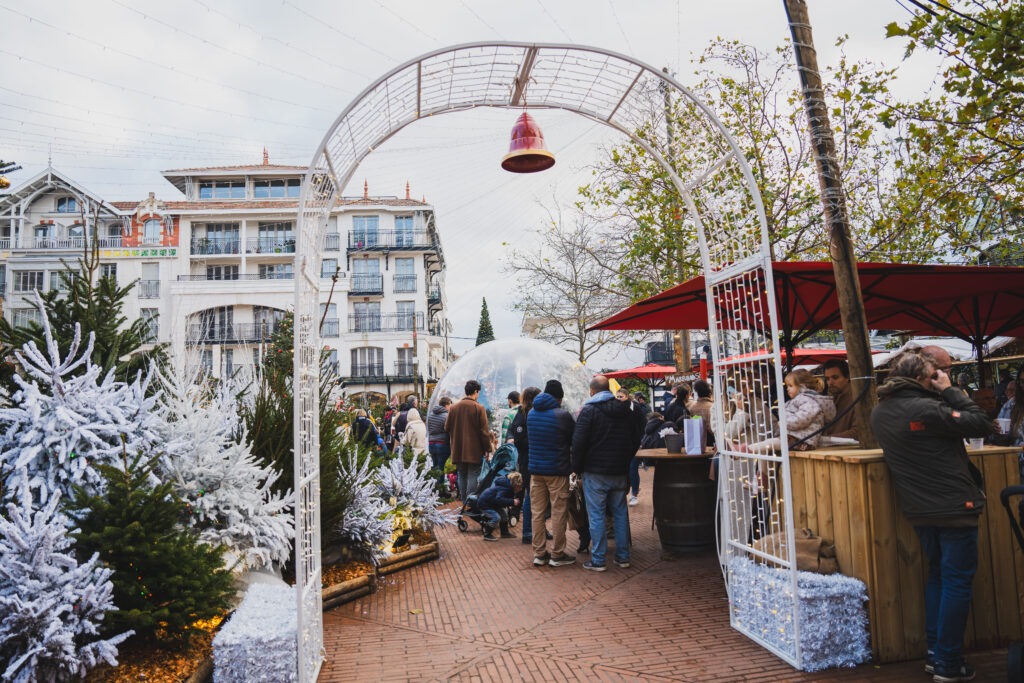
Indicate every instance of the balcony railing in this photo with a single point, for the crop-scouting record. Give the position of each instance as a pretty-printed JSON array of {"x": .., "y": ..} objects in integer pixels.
[
  {"x": 389, "y": 239},
  {"x": 235, "y": 276},
  {"x": 231, "y": 333},
  {"x": 5, "y": 243},
  {"x": 330, "y": 328},
  {"x": 76, "y": 243},
  {"x": 332, "y": 242},
  {"x": 367, "y": 284},
  {"x": 149, "y": 289},
  {"x": 368, "y": 371},
  {"x": 270, "y": 245},
  {"x": 434, "y": 295},
  {"x": 215, "y": 246},
  {"x": 386, "y": 322},
  {"x": 405, "y": 284},
  {"x": 404, "y": 369}
]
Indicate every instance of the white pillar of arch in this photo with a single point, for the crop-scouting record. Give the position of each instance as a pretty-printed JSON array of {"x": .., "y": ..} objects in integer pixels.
[{"x": 721, "y": 203}]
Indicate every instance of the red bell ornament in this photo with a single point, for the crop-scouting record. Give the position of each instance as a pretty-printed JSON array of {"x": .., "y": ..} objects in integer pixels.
[{"x": 526, "y": 152}]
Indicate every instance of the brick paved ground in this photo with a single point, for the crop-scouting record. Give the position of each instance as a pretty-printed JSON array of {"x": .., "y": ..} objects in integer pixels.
[{"x": 482, "y": 612}]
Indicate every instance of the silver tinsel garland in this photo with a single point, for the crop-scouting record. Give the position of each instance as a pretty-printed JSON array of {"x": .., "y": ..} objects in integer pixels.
[
  {"x": 258, "y": 643},
  {"x": 833, "y": 621}
]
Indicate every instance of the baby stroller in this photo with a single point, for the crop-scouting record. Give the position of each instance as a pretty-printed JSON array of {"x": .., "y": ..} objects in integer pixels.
[{"x": 501, "y": 463}]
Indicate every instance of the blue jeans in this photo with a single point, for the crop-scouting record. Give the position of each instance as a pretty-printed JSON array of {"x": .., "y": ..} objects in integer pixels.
[
  {"x": 526, "y": 518},
  {"x": 634, "y": 476},
  {"x": 952, "y": 554},
  {"x": 439, "y": 453},
  {"x": 606, "y": 493},
  {"x": 467, "y": 475},
  {"x": 492, "y": 517}
]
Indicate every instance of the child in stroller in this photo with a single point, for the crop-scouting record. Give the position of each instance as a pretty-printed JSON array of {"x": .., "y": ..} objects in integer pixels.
[{"x": 501, "y": 463}]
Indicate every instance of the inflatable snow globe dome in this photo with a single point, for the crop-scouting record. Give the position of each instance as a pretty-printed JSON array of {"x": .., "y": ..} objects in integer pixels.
[{"x": 505, "y": 365}]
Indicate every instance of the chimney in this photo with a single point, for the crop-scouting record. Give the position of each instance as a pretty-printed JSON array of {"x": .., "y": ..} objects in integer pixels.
[
  {"x": 366, "y": 190},
  {"x": 266, "y": 157},
  {"x": 407, "y": 189}
]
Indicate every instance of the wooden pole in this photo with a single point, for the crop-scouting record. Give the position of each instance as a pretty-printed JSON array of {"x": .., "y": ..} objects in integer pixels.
[{"x": 844, "y": 262}]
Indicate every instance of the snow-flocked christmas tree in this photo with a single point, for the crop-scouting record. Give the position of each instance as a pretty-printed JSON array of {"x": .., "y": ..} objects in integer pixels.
[
  {"x": 50, "y": 605},
  {"x": 62, "y": 424},
  {"x": 228, "y": 493},
  {"x": 366, "y": 524}
]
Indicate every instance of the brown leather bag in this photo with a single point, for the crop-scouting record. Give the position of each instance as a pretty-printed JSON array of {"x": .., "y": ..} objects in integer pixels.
[{"x": 813, "y": 553}]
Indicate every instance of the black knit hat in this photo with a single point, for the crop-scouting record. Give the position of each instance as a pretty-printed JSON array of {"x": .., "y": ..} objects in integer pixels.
[{"x": 554, "y": 387}]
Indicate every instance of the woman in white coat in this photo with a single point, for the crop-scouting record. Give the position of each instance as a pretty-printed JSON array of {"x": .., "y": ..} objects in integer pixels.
[{"x": 415, "y": 436}]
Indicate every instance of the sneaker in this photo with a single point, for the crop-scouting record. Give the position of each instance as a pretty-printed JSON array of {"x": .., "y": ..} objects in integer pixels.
[
  {"x": 561, "y": 560},
  {"x": 953, "y": 674},
  {"x": 490, "y": 537},
  {"x": 622, "y": 563},
  {"x": 633, "y": 500},
  {"x": 929, "y": 662},
  {"x": 541, "y": 560},
  {"x": 594, "y": 567}
]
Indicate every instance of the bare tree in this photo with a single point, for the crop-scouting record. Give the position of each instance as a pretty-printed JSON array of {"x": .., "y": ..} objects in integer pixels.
[{"x": 567, "y": 281}]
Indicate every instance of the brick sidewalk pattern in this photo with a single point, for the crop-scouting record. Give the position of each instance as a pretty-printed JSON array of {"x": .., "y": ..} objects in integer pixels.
[{"x": 483, "y": 612}]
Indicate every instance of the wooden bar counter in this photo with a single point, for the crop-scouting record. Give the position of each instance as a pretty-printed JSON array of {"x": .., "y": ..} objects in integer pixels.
[{"x": 847, "y": 495}]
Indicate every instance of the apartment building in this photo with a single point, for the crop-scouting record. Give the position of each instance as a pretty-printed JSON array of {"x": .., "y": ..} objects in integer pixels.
[{"x": 214, "y": 270}]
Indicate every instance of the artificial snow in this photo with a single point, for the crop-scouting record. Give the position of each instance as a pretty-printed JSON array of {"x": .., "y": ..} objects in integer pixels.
[{"x": 258, "y": 643}]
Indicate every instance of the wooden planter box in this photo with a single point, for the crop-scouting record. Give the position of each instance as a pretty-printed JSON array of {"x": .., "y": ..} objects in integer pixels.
[
  {"x": 410, "y": 558},
  {"x": 847, "y": 495},
  {"x": 358, "y": 587}
]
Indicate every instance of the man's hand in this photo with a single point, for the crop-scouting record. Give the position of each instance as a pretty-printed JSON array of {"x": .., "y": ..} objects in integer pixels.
[{"x": 940, "y": 381}]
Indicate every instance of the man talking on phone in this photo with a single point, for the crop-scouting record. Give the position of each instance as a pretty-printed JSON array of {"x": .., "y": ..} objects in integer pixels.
[{"x": 921, "y": 422}]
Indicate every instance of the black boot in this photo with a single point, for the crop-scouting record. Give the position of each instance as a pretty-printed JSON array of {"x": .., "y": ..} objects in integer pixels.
[
  {"x": 489, "y": 533},
  {"x": 505, "y": 533}
]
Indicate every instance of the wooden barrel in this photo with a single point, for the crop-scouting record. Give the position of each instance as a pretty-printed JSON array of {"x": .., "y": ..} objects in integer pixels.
[{"x": 684, "y": 504}]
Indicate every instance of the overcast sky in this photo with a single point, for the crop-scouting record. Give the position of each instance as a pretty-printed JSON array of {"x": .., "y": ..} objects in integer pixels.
[{"x": 119, "y": 90}]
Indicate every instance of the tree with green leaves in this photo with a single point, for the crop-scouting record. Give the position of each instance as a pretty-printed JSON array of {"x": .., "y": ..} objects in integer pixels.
[
  {"x": 485, "y": 332},
  {"x": 165, "y": 579}
]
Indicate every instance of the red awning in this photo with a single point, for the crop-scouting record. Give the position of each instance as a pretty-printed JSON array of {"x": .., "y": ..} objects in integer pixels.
[
  {"x": 648, "y": 371},
  {"x": 800, "y": 356}
]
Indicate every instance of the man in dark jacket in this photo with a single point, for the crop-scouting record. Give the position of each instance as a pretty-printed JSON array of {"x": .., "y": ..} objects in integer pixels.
[
  {"x": 606, "y": 438},
  {"x": 549, "y": 431},
  {"x": 363, "y": 431},
  {"x": 921, "y": 422}
]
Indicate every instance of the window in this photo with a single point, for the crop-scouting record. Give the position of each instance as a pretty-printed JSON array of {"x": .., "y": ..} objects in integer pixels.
[
  {"x": 221, "y": 238},
  {"x": 27, "y": 280},
  {"x": 332, "y": 360},
  {"x": 150, "y": 318},
  {"x": 406, "y": 315},
  {"x": 277, "y": 237},
  {"x": 403, "y": 231},
  {"x": 367, "y": 316},
  {"x": 266, "y": 315},
  {"x": 206, "y": 361},
  {"x": 151, "y": 231},
  {"x": 221, "y": 272},
  {"x": 217, "y": 324},
  {"x": 42, "y": 231},
  {"x": 405, "y": 275},
  {"x": 67, "y": 205},
  {"x": 328, "y": 267},
  {"x": 57, "y": 281},
  {"x": 109, "y": 270},
  {"x": 365, "y": 231},
  {"x": 149, "y": 283},
  {"x": 276, "y": 271},
  {"x": 366, "y": 275},
  {"x": 404, "y": 367},
  {"x": 222, "y": 189},
  {"x": 263, "y": 189},
  {"x": 227, "y": 363},
  {"x": 23, "y": 316},
  {"x": 76, "y": 231},
  {"x": 368, "y": 361}
]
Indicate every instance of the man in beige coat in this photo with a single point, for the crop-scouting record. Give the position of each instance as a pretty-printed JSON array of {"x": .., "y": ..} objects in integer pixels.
[{"x": 470, "y": 438}]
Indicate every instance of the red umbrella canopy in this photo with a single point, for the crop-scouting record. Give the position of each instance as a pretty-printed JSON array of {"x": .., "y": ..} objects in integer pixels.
[
  {"x": 800, "y": 356},
  {"x": 973, "y": 303},
  {"x": 648, "y": 371}
]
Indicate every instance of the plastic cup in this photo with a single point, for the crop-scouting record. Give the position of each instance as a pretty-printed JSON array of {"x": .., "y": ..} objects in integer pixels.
[
  {"x": 1004, "y": 425},
  {"x": 976, "y": 444}
]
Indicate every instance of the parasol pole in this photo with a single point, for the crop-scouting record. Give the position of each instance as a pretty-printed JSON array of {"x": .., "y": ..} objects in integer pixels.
[{"x": 844, "y": 261}]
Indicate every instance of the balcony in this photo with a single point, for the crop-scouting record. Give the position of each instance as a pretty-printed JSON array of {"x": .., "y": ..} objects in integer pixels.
[
  {"x": 149, "y": 289},
  {"x": 434, "y": 295},
  {"x": 231, "y": 333},
  {"x": 5, "y": 243},
  {"x": 332, "y": 242},
  {"x": 391, "y": 240},
  {"x": 371, "y": 371},
  {"x": 364, "y": 285},
  {"x": 405, "y": 369},
  {"x": 330, "y": 328},
  {"x": 386, "y": 322},
  {"x": 215, "y": 246},
  {"x": 270, "y": 245},
  {"x": 404, "y": 284},
  {"x": 235, "y": 276},
  {"x": 59, "y": 244}
]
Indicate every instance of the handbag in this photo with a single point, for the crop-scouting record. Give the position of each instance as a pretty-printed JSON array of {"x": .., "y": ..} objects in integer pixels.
[{"x": 578, "y": 518}]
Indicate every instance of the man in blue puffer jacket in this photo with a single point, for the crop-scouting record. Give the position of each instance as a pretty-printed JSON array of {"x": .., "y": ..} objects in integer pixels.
[{"x": 549, "y": 431}]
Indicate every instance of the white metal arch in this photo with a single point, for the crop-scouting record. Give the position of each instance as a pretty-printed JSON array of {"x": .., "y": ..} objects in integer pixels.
[{"x": 721, "y": 202}]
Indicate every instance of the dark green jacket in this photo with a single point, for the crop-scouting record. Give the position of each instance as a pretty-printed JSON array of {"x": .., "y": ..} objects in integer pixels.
[{"x": 921, "y": 433}]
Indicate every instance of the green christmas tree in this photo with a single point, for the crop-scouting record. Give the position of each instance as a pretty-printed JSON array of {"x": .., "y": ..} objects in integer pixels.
[
  {"x": 485, "y": 332},
  {"x": 164, "y": 578}
]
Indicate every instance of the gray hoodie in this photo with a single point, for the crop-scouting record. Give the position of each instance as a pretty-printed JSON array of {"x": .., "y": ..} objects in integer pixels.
[{"x": 435, "y": 425}]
